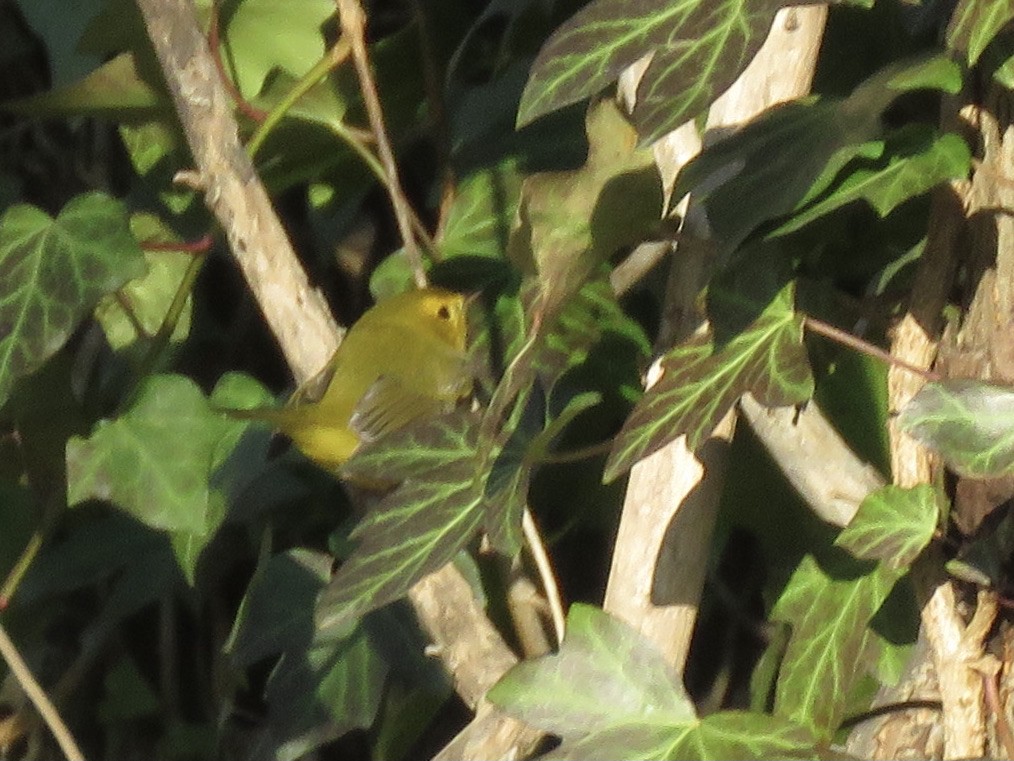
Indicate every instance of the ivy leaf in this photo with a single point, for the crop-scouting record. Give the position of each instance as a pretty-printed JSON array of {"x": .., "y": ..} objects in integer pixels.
[
  {"x": 699, "y": 384},
  {"x": 604, "y": 675},
  {"x": 698, "y": 49},
  {"x": 893, "y": 525},
  {"x": 507, "y": 484},
  {"x": 974, "y": 24},
  {"x": 831, "y": 641},
  {"x": 275, "y": 614},
  {"x": 573, "y": 221},
  {"x": 479, "y": 220},
  {"x": 113, "y": 91},
  {"x": 418, "y": 527},
  {"x": 52, "y": 272},
  {"x": 906, "y": 175},
  {"x": 610, "y": 694},
  {"x": 261, "y": 35},
  {"x": 149, "y": 297},
  {"x": 168, "y": 461},
  {"x": 969, "y": 423},
  {"x": 318, "y": 694},
  {"x": 791, "y": 153}
]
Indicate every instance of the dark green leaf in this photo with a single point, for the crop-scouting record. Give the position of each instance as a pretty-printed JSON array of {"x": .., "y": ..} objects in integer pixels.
[
  {"x": 418, "y": 527},
  {"x": 52, "y": 272},
  {"x": 698, "y": 49},
  {"x": 975, "y": 23},
  {"x": 699, "y": 385},
  {"x": 792, "y": 153},
  {"x": 831, "y": 642},
  {"x": 884, "y": 188},
  {"x": 893, "y": 525},
  {"x": 277, "y": 611},
  {"x": 969, "y": 423},
  {"x": 317, "y": 695}
]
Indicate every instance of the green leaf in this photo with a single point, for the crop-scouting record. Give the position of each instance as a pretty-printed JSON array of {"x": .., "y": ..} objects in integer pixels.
[
  {"x": 168, "y": 461},
  {"x": 791, "y": 153},
  {"x": 144, "y": 302},
  {"x": 698, "y": 49},
  {"x": 831, "y": 641},
  {"x": 893, "y": 525},
  {"x": 417, "y": 528},
  {"x": 261, "y": 35},
  {"x": 974, "y": 24},
  {"x": 729, "y": 734},
  {"x": 969, "y": 423},
  {"x": 610, "y": 694},
  {"x": 699, "y": 385},
  {"x": 903, "y": 177},
  {"x": 479, "y": 220},
  {"x": 573, "y": 221},
  {"x": 113, "y": 91},
  {"x": 52, "y": 272},
  {"x": 319, "y": 694},
  {"x": 605, "y": 675},
  {"x": 277, "y": 610},
  {"x": 59, "y": 25}
]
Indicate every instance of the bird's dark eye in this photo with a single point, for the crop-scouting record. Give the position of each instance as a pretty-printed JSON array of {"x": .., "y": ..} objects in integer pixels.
[{"x": 444, "y": 313}]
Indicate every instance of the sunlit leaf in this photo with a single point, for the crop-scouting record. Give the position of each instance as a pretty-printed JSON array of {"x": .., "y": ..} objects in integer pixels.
[
  {"x": 609, "y": 694},
  {"x": 419, "y": 526},
  {"x": 604, "y": 675},
  {"x": 969, "y": 423},
  {"x": 699, "y": 385},
  {"x": 831, "y": 641},
  {"x": 974, "y": 24},
  {"x": 893, "y": 525},
  {"x": 52, "y": 272},
  {"x": 698, "y": 48}
]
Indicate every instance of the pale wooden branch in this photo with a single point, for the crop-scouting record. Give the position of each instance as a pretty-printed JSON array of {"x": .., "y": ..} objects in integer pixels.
[
  {"x": 665, "y": 531},
  {"x": 41, "y": 701},
  {"x": 470, "y": 647}
]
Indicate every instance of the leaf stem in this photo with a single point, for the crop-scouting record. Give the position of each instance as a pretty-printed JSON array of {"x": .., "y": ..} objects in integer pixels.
[
  {"x": 39, "y": 699},
  {"x": 537, "y": 548},
  {"x": 353, "y": 24},
  {"x": 865, "y": 347},
  {"x": 338, "y": 54}
]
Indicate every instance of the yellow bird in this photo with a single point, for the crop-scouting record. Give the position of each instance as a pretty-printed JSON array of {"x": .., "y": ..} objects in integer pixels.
[{"x": 403, "y": 359}]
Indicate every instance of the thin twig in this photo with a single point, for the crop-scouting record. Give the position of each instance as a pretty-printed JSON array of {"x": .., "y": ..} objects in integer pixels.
[
  {"x": 853, "y": 342},
  {"x": 253, "y": 113},
  {"x": 538, "y": 550},
  {"x": 353, "y": 24},
  {"x": 39, "y": 699}
]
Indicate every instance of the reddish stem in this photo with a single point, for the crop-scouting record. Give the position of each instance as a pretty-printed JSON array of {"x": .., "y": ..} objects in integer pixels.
[{"x": 854, "y": 342}]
